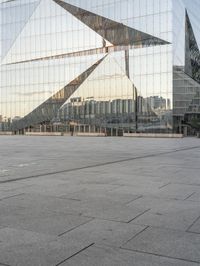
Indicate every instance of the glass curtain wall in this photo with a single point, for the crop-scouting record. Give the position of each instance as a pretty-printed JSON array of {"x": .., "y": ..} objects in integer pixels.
[{"x": 87, "y": 66}]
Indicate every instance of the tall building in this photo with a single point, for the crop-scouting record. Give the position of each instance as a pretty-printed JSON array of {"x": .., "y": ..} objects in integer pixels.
[{"x": 131, "y": 65}]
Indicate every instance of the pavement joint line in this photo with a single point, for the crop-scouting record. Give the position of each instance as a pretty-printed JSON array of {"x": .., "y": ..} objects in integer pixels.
[
  {"x": 12, "y": 196},
  {"x": 189, "y": 196},
  {"x": 161, "y": 255},
  {"x": 130, "y": 201},
  {"x": 144, "y": 229},
  {"x": 73, "y": 255},
  {"x": 64, "y": 233},
  {"x": 62, "y": 197},
  {"x": 3, "y": 264},
  {"x": 139, "y": 215},
  {"x": 98, "y": 165},
  {"x": 192, "y": 232},
  {"x": 165, "y": 185},
  {"x": 108, "y": 220},
  {"x": 188, "y": 229},
  {"x": 118, "y": 221}
]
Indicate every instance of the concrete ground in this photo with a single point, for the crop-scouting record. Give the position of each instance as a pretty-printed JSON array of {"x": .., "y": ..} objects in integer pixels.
[{"x": 74, "y": 201}]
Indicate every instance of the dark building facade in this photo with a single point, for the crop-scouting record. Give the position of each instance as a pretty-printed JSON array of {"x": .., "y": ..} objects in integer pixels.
[{"x": 90, "y": 66}]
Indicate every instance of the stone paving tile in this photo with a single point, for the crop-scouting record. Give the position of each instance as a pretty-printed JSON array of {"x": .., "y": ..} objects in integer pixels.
[
  {"x": 106, "y": 256},
  {"x": 58, "y": 188},
  {"x": 169, "y": 243},
  {"x": 25, "y": 248},
  {"x": 49, "y": 189},
  {"x": 116, "y": 213},
  {"x": 140, "y": 188},
  {"x": 176, "y": 219},
  {"x": 42, "y": 222},
  {"x": 137, "y": 181},
  {"x": 167, "y": 213},
  {"x": 13, "y": 186},
  {"x": 185, "y": 174},
  {"x": 159, "y": 204},
  {"x": 93, "y": 194},
  {"x": 177, "y": 191},
  {"x": 158, "y": 189},
  {"x": 106, "y": 204},
  {"x": 101, "y": 176},
  {"x": 104, "y": 232},
  {"x": 34, "y": 202},
  {"x": 106, "y": 209}
]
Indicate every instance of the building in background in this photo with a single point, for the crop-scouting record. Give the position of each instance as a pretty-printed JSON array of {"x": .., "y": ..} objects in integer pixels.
[{"x": 111, "y": 66}]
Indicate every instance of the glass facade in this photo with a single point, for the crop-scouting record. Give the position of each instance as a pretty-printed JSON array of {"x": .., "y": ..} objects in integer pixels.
[
  {"x": 109, "y": 66},
  {"x": 186, "y": 65}
]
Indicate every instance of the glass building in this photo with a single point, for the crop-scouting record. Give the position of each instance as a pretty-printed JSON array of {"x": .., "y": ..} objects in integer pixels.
[{"x": 109, "y": 66}]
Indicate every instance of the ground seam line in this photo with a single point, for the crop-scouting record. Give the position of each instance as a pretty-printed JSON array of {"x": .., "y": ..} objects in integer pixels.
[
  {"x": 188, "y": 229},
  {"x": 139, "y": 215},
  {"x": 146, "y": 227},
  {"x": 61, "y": 234},
  {"x": 74, "y": 254}
]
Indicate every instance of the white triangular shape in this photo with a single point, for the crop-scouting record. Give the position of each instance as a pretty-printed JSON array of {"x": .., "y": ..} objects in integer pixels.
[
  {"x": 52, "y": 31},
  {"x": 10, "y": 31}
]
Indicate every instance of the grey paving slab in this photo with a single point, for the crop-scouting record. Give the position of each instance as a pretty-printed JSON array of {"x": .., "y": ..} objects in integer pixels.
[
  {"x": 187, "y": 177},
  {"x": 9, "y": 187},
  {"x": 174, "y": 219},
  {"x": 106, "y": 209},
  {"x": 170, "y": 243},
  {"x": 105, "y": 256},
  {"x": 63, "y": 184},
  {"x": 104, "y": 232},
  {"x": 13, "y": 237},
  {"x": 117, "y": 213},
  {"x": 93, "y": 194},
  {"x": 140, "y": 188},
  {"x": 62, "y": 195},
  {"x": 158, "y": 189},
  {"x": 177, "y": 191},
  {"x": 159, "y": 204},
  {"x": 25, "y": 248},
  {"x": 167, "y": 213},
  {"x": 40, "y": 203},
  {"x": 42, "y": 222},
  {"x": 45, "y": 188}
]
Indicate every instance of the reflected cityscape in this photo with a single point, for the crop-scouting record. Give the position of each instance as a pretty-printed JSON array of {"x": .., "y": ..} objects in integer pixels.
[
  {"x": 118, "y": 113},
  {"x": 78, "y": 66}
]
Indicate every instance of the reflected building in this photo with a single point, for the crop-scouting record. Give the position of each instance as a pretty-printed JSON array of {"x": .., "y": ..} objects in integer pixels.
[{"x": 111, "y": 66}]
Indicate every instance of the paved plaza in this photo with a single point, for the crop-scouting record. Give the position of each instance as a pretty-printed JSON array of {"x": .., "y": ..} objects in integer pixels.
[{"x": 80, "y": 201}]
